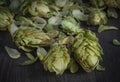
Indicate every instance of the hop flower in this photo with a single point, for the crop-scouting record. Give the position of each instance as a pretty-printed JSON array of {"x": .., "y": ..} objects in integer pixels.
[
  {"x": 57, "y": 59},
  {"x": 98, "y": 3},
  {"x": 97, "y": 17},
  {"x": 87, "y": 50},
  {"x": 70, "y": 26},
  {"x": 5, "y": 18},
  {"x": 36, "y": 8},
  {"x": 28, "y": 38},
  {"x": 112, "y": 3},
  {"x": 73, "y": 66}
]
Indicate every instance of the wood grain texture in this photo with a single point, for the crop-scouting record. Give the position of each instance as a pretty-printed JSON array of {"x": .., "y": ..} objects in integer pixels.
[{"x": 11, "y": 71}]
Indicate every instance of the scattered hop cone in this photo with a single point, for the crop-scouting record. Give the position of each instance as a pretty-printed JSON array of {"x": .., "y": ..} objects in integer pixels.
[
  {"x": 70, "y": 26},
  {"x": 113, "y": 3},
  {"x": 60, "y": 3},
  {"x": 97, "y": 17},
  {"x": 27, "y": 38},
  {"x": 98, "y": 3},
  {"x": 36, "y": 8},
  {"x": 87, "y": 50},
  {"x": 5, "y": 18},
  {"x": 57, "y": 59}
]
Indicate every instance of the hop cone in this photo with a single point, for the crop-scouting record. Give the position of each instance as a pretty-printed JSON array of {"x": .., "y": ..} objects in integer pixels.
[
  {"x": 28, "y": 38},
  {"x": 5, "y": 18},
  {"x": 73, "y": 66},
  {"x": 70, "y": 26},
  {"x": 57, "y": 59},
  {"x": 36, "y": 8},
  {"x": 97, "y": 17},
  {"x": 87, "y": 50},
  {"x": 98, "y": 3},
  {"x": 113, "y": 3},
  {"x": 108, "y": 3}
]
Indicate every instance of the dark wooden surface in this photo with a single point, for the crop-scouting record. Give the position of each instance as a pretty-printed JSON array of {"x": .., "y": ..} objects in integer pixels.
[{"x": 10, "y": 71}]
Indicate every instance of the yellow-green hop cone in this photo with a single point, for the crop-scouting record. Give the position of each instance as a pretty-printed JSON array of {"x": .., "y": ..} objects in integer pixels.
[
  {"x": 111, "y": 3},
  {"x": 98, "y": 3},
  {"x": 57, "y": 59},
  {"x": 87, "y": 50},
  {"x": 97, "y": 17},
  {"x": 36, "y": 8},
  {"x": 70, "y": 26},
  {"x": 5, "y": 18},
  {"x": 27, "y": 38},
  {"x": 108, "y": 3}
]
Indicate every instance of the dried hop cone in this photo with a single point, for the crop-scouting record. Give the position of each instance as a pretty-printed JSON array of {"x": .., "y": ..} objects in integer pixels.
[
  {"x": 113, "y": 3},
  {"x": 98, "y": 3},
  {"x": 36, "y": 8},
  {"x": 70, "y": 26},
  {"x": 73, "y": 66},
  {"x": 5, "y": 18},
  {"x": 97, "y": 17},
  {"x": 87, "y": 50},
  {"x": 57, "y": 59},
  {"x": 27, "y": 38}
]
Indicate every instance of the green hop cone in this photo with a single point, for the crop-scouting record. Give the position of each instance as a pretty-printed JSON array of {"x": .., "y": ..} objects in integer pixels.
[
  {"x": 108, "y": 3},
  {"x": 5, "y": 18},
  {"x": 27, "y": 38},
  {"x": 4, "y": 2},
  {"x": 97, "y": 17},
  {"x": 118, "y": 2},
  {"x": 98, "y": 3},
  {"x": 57, "y": 59},
  {"x": 70, "y": 26},
  {"x": 36, "y": 8},
  {"x": 73, "y": 66},
  {"x": 36, "y": 22},
  {"x": 87, "y": 50},
  {"x": 113, "y": 3}
]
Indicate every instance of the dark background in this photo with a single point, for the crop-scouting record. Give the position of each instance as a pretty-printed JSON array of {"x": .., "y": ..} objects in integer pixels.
[{"x": 11, "y": 71}]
